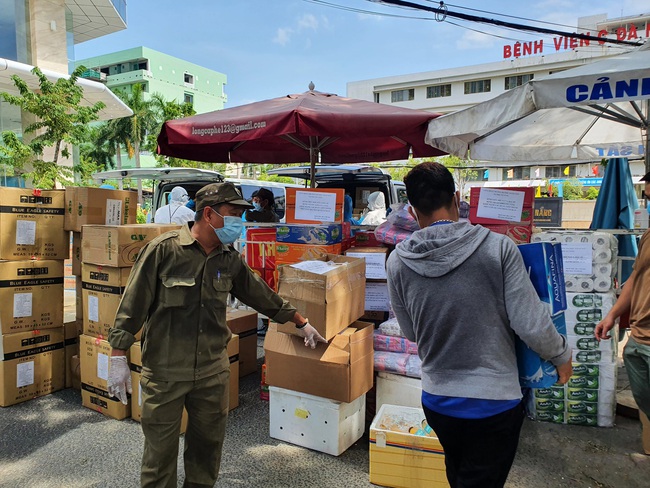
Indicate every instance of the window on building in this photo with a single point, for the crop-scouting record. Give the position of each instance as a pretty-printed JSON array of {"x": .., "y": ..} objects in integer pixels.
[
  {"x": 188, "y": 98},
  {"x": 518, "y": 80},
  {"x": 437, "y": 91},
  {"x": 479, "y": 86},
  {"x": 402, "y": 95},
  {"x": 188, "y": 78},
  {"x": 560, "y": 171},
  {"x": 142, "y": 65},
  {"x": 520, "y": 173},
  {"x": 376, "y": 97}
]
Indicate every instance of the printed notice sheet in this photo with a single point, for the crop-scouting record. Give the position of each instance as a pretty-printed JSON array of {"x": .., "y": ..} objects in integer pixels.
[
  {"x": 500, "y": 204},
  {"x": 377, "y": 297},
  {"x": 93, "y": 308},
  {"x": 375, "y": 264},
  {"x": 26, "y": 232},
  {"x": 576, "y": 258},
  {"x": 316, "y": 267},
  {"x": 315, "y": 206},
  {"x": 113, "y": 212},
  {"x": 102, "y": 366},
  {"x": 24, "y": 374}
]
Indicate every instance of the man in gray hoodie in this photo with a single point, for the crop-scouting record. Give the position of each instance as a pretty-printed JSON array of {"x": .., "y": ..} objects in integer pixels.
[{"x": 461, "y": 293}]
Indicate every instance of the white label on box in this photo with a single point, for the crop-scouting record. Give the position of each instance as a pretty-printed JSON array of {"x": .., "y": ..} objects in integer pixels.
[
  {"x": 316, "y": 267},
  {"x": 102, "y": 366},
  {"x": 576, "y": 258},
  {"x": 22, "y": 305},
  {"x": 375, "y": 264},
  {"x": 500, "y": 204},
  {"x": 113, "y": 212},
  {"x": 24, "y": 374},
  {"x": 93, "y": 308},
  {"x": 377, "y": 297},
  {"x": 315, "y": 206},
  {"x": 25, "y": 232}
]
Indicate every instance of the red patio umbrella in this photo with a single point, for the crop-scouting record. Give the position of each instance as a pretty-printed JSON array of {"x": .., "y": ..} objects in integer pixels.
[{"x": 298, "y": 129}]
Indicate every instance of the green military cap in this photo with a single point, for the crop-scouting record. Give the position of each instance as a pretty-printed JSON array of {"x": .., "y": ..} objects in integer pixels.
[{"x": 216, "y": 193}]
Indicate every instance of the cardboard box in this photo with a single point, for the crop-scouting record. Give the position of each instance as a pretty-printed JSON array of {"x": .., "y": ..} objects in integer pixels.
[
  {"x": 375, "y": 258},
  {"x": 362, "y": 194},
  {"x": 375, "y": 316},
  {"x": 244, "y": 324},
  {"x": 341, "y": 370},
  {"x": 316, "y": 423},
  {"x": 294, "y": 253},
  {"x": 520, "y": 234},
  {"x": 31, "y": 294},
  {"x": 102, "y": 289},
  {"x": 94, "y": 355},
  {"x": 75, "y": 371},
  {"x": 76, "y": 253},
  {"x": 118, "y": 245},
  {"x": 324, "y": 202},
  {"x": 320, "y": 235},
  {"x": 260, "y": 248},
  {"x": 366, "y": 238},
  {"x": 331, "y": 300},
  {"x": 72, "y": 331},
  {"x": 79, "y": 303},
  {"x": 87, "y": 205},
  {"x": 32, "y": 365},
  {"x": 31, "y": 224},
  {"x": 400, "y": 458}
]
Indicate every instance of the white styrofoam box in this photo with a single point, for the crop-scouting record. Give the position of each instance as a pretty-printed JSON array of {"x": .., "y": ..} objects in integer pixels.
[
  {"x": 394, "y": 389},
  {"x": 314, "y": 422}
]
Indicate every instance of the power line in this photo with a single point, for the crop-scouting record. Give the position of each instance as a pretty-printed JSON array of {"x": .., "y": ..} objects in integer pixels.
[{"x": 443, "y": 12}]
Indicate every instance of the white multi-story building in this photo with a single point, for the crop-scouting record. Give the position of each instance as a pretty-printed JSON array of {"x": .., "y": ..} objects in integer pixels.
[{"x": 449, "y": 90}]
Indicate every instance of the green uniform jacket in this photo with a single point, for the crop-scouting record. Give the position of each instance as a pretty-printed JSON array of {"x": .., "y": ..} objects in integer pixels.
[{"x": 178, "y": 295}]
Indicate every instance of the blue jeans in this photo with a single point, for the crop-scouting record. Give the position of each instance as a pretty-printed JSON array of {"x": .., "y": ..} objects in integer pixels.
[{"x": 637, "y": 364}]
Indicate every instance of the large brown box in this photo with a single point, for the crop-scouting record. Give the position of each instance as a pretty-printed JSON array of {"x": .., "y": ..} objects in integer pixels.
[
  {"x": 341, "y": 370},
  {"x": 94, "y": 355},
  {"x": 375, "y": 260},
  {"x": 32, "y": 365},
  {"x": 118, "y": 245},
  {"x": 31, "y": 224},
  {"x": 79, "y": 308},
  {"x": 31, "y": 294},
  {"x": 102, "y": 289},
  {"x": 72, "y": 331},
  {"x": 86, "y": 205},
  {"x": 332, "y": 300},
  {"x": 244, "y": 324}
]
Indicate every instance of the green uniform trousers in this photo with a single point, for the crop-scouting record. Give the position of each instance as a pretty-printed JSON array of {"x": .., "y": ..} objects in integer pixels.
[
  {"x": 637, "y": 364},
  {"x": 206, "y": 401}
]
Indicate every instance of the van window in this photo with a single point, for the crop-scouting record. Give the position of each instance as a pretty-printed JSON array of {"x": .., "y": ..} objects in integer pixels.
[
  {"x": 278, "y": 196},
  {"x": 401, "y": 194}
]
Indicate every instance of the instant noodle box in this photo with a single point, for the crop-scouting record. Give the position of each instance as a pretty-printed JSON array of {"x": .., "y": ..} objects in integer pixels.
[{"x": 314, "y": 205}]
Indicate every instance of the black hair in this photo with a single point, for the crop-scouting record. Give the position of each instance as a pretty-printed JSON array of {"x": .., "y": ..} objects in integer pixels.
[{"x": 429, "y": 187}]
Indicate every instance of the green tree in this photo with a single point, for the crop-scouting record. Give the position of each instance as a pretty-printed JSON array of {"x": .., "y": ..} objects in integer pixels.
[
  {"x": 592, "y": 193},
  {"x": 571, "y": 189},
  {"x": 60, "y": 121},
  {"x": 464, "y": 170}
]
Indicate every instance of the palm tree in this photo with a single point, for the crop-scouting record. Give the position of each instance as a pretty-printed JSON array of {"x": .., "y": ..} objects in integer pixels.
[{"x": 137, "y": 126}]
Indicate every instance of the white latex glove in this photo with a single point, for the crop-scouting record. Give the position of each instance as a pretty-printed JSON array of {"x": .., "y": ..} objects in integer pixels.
[
  {"x": 119, "y": 378},
  {"x": 310, "y": 335}
]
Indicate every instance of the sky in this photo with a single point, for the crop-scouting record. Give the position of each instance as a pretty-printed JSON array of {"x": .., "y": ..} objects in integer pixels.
[{"x": 270, "y": 48}]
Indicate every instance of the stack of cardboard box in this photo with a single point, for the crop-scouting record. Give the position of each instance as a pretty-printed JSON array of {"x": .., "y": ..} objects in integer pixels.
[
  {"x": 377, "y": 302},
  {"x": 317, "y": 396},
  {"x": 33, "y": 246},
  {"x": 486, "y": 204}
]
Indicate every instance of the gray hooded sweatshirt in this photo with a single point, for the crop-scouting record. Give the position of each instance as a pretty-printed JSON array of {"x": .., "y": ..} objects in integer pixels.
[{"x": 461, "y": 293}]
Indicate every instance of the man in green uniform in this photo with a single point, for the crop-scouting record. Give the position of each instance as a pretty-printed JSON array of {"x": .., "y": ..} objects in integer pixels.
[{"x": 177, "y": 293}]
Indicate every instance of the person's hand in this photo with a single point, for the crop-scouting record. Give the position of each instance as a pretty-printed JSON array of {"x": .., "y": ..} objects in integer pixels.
[
  {"x": 311, "y": 335},
  {"x": 564, "y": 372},
  {"x": 364, "y": 212},
  {"x": 119, "y": 378},
  {"x": 604, "y": 326}
]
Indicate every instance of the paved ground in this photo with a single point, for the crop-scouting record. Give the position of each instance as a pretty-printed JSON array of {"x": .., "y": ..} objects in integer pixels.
[{"x": 55, "y": 442}]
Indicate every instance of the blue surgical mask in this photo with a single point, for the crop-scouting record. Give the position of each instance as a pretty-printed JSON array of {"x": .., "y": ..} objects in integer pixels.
[
  {"x": 231, "y": 230},
  {"x": 257, "y": 206}
]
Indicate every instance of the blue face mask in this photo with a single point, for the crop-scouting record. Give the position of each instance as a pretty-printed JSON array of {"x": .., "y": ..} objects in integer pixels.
[
  {"x": 231, "y": 230},
  {"x": 257, "y": 206}
]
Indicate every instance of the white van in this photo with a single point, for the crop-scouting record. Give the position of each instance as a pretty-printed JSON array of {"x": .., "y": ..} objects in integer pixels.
[{"x": 192, "y": 179}]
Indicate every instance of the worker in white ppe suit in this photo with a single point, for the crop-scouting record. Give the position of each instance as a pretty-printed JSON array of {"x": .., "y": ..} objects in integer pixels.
[
  {"x": 376, "y": 211},
  {"x": 175, "y": 212}
]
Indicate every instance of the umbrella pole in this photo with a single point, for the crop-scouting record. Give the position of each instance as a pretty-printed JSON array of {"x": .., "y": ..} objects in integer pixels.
[{"x": 313, "y": 159}]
